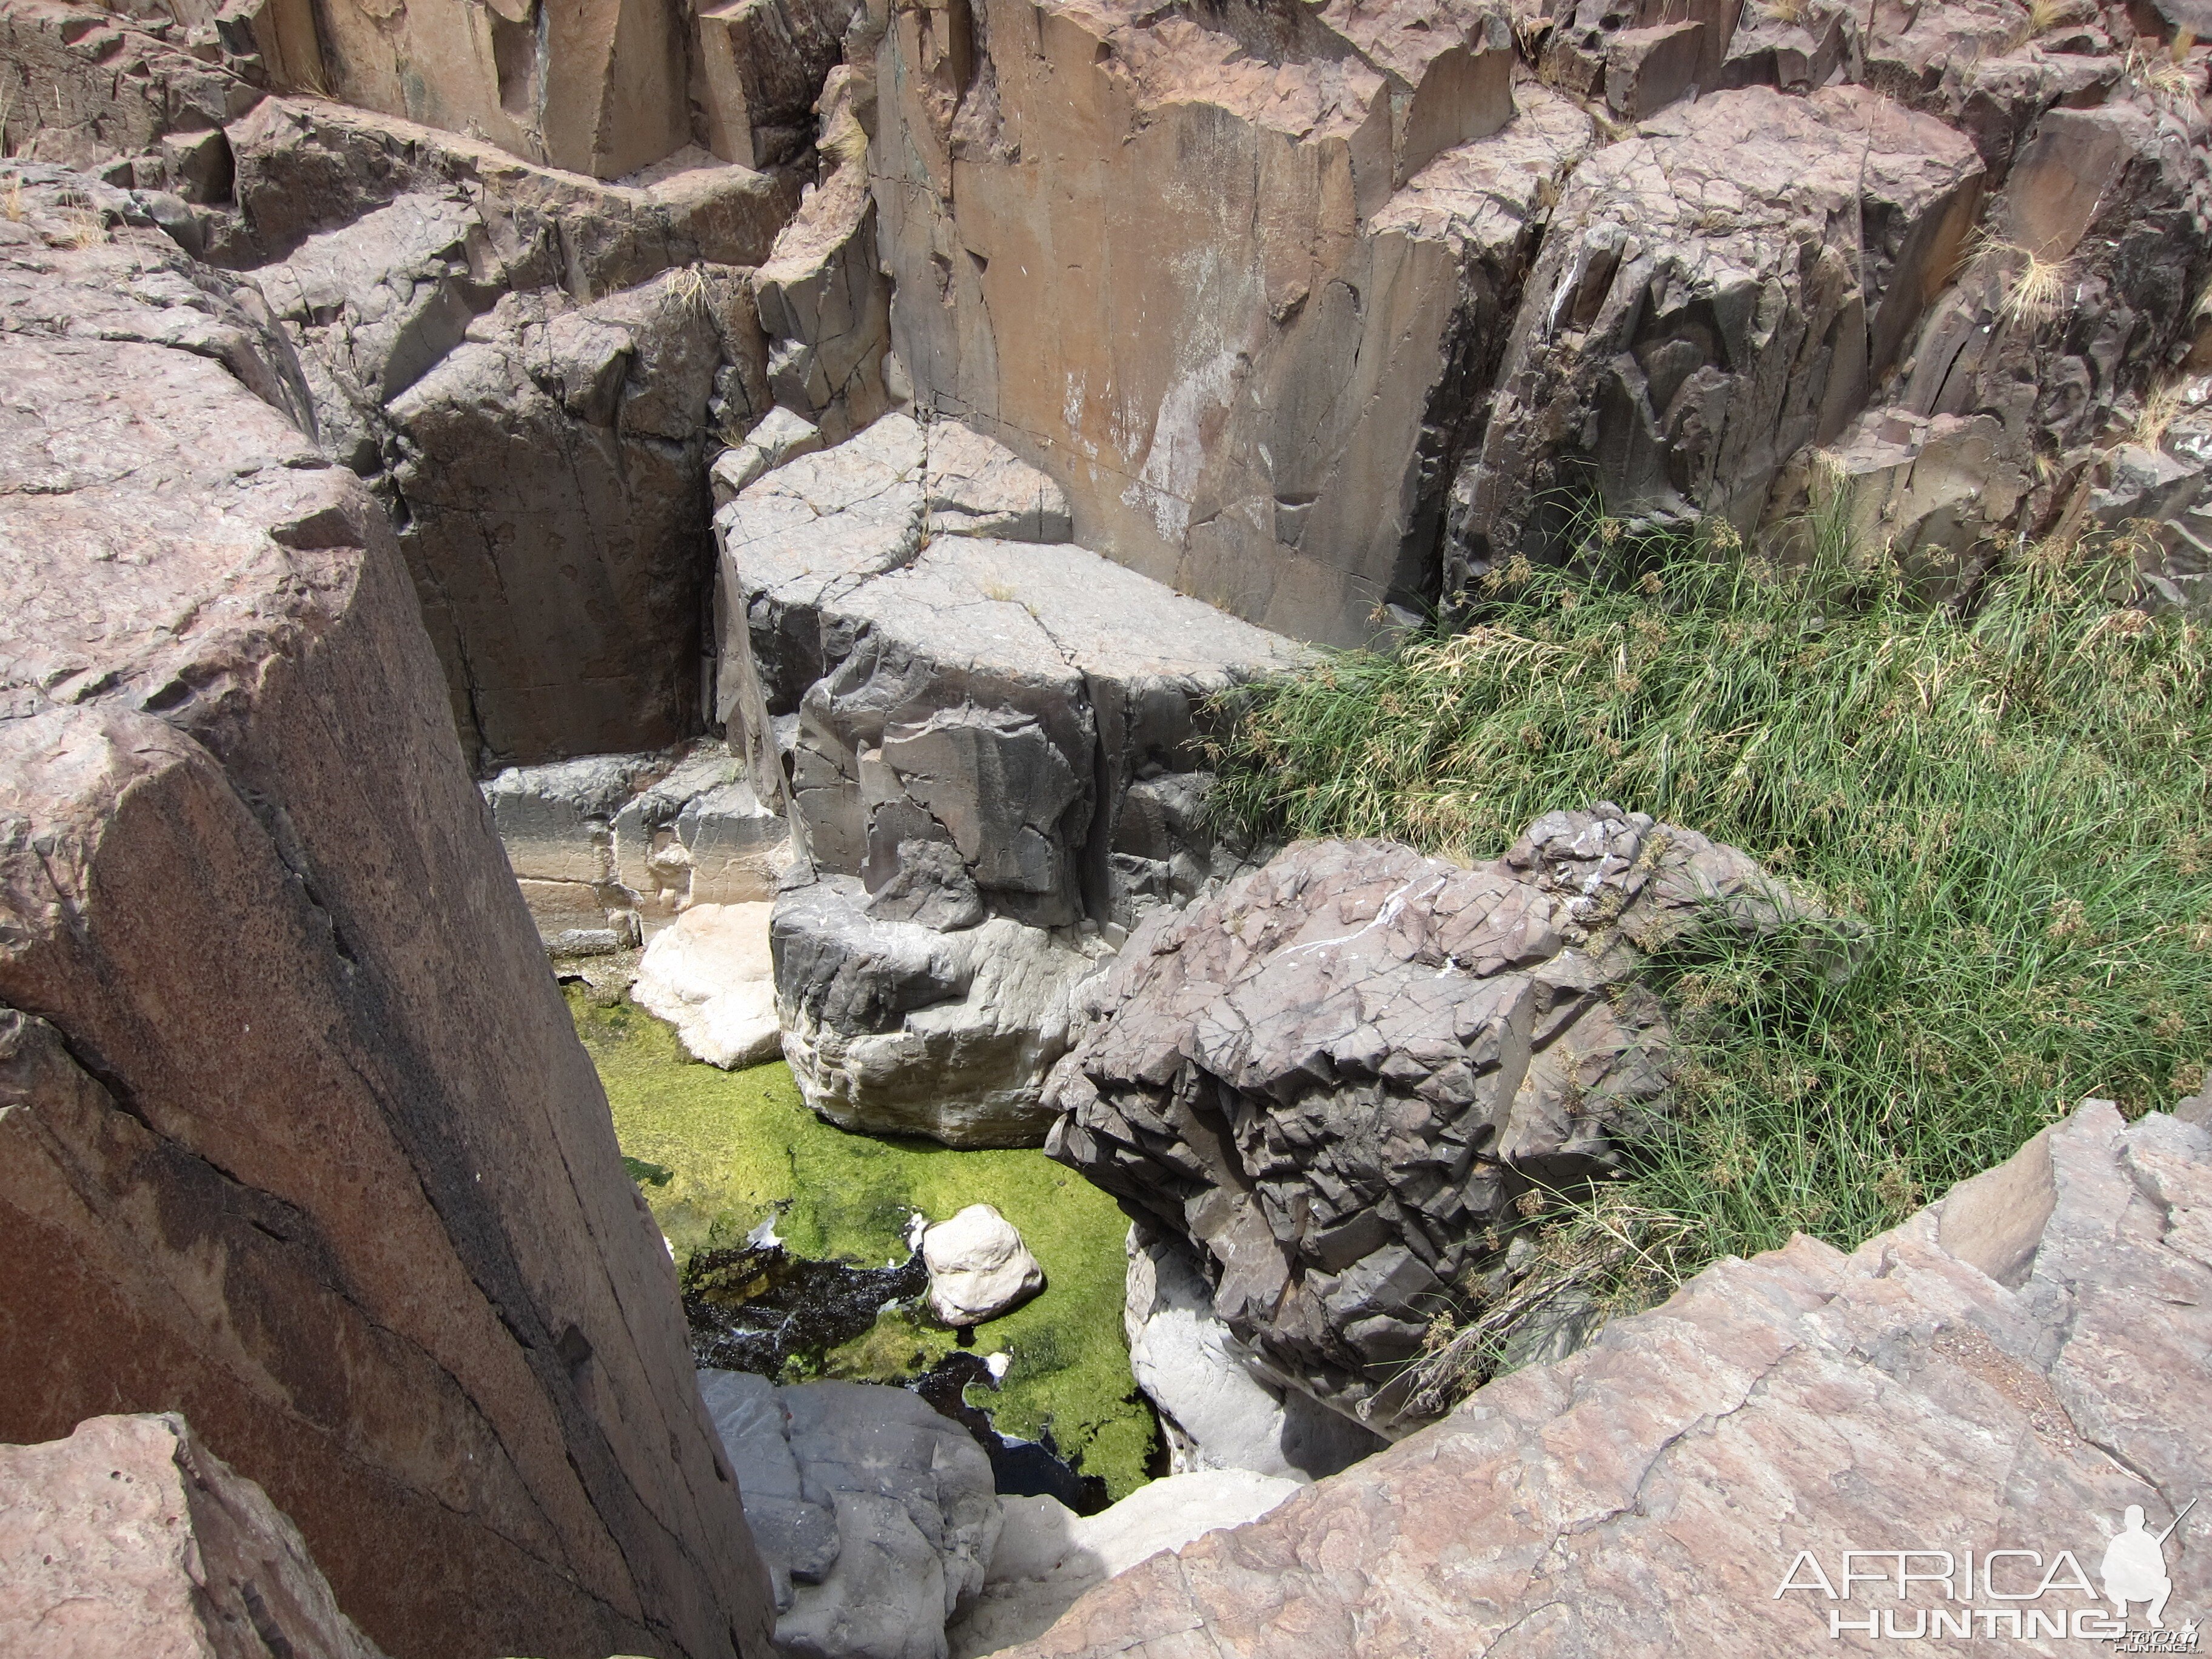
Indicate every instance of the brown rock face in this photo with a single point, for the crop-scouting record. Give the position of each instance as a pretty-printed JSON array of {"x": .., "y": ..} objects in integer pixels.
[
  {"x": 298, "y": 1140},
  {"x": 2013, "y": 1369},
  {"x": 1132, "y": 247},
  {"x": 130, "y": 1537},
  {"x": 1715, "y": 293}
]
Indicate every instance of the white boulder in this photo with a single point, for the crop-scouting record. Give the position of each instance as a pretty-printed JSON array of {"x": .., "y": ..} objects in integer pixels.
[
  {"x": 978, "y": 1266},
  {"x": 709, "y": 975}
]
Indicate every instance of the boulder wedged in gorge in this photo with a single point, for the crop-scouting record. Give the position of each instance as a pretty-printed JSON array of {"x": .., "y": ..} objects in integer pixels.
[
  {"x": 130, "y": 1537},
  {"x": 1332, "y": 1078},
  {"x": 1255, "y": 399},
  {"x": 2012, "y": 1369},
  {"x": 992, "y": 751},
  {"x": 299, "y": 1138},
  {"x": 1716, "y": 293}
]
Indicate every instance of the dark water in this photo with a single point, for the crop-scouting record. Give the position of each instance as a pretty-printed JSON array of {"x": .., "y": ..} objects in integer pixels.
[{"x": 757, "y": 1307}]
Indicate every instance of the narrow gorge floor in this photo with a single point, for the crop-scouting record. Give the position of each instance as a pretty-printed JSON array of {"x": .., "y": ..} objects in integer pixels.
[{"x": 741, "y": 1147}]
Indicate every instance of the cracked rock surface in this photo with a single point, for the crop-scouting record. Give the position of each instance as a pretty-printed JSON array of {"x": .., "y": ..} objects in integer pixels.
[
  {"x": 1332, "y": 1077},
  {"x": 2012, "y": 1368},
  {"x": 295, "y": 1135},
  {"x": 990, "y": 748}
]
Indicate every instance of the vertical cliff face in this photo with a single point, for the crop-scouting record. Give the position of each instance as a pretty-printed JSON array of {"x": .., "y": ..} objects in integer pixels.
[
  {"x": 1137, "y": 248},
  {"x": 294, "y": 1137}
]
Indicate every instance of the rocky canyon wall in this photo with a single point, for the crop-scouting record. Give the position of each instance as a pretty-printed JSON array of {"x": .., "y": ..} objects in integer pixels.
[{"x": 298, "y": 1140}]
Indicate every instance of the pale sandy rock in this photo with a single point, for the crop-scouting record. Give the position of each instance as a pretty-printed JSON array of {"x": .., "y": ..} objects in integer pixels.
[
  {"x": 2009, "y": 1370},
  {"x": 1402, "y": 1045},
  {"x": 86, "y": 88},
  {"x": 1716, "y": 292},
  {"x": 342, "y": 1188},
  {"x": 1133, "y": 246},
  {"x": 130, "y": 1537},
  {"x": 708, "y": 974},
  {"x": 978, "y": 1266},
  {"x": 1216, "y": 1410},
  {"x": 1047, "y": 1556}
]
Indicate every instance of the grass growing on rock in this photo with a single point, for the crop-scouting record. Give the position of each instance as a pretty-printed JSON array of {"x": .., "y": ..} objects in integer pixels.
[
  {"x": 743, "y": 1145},
  {"x": 2014, "y": 800}
]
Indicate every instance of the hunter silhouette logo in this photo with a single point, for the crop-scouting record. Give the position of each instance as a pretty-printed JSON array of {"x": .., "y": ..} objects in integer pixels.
[
  {"x": 2135, "y": 1564},
  {"x": 2005, "y": 1592}
]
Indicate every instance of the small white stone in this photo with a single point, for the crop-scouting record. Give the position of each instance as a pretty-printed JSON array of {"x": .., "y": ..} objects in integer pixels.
[{"x": 978, "y": 1266}]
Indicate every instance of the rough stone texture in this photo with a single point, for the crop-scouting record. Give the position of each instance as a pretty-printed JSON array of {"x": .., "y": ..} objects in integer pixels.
[
  {"x": 877, "y": 1516},
  {"x": 1715, "y": 293},
  {"x": 550, "y": 476},
  {"x": 759, "y": 67},
  {"x": 84, "y": 88},
  {"x": 624, "y": 843},
  {"x": 298, "y": 1137},
  {"x": 708, "y": 973},
  {"x": 1216, "y": 1411},
  {"x": 782, "y": 435},
  {"x": 130, "y": 1537},
  {"x": 895, "y": 1028},
  {"x": 991, "y": 751},
  {"x": 1032, "y": 705},
  {"x": 1132, "y": 245},
  {"x": 1048, "y": 1555},
  {"x": 978, "y": 1266},
  {"x": 1334, "y": 1075},
  {"x": 1642, "y": 57},
  {"x": 825, "y": 298},
  {"x": 2007, "y": 1370},
  {"x": 304, "y": 166}
]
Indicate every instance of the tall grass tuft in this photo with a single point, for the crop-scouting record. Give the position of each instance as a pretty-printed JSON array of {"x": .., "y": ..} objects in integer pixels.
[{"x": 2015, "y": 803}]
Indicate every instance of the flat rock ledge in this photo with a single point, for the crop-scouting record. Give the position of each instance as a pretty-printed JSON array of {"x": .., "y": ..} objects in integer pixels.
[{"x": 2013, "y": 1368}]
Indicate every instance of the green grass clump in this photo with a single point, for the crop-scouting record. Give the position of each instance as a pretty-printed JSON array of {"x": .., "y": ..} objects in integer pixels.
[
  {"x": 741, "y": 1145},
  {"x": 2014, "y": 800}
]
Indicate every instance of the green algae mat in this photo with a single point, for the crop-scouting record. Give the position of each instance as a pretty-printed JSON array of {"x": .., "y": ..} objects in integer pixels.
[{"x": 739, "y": 1147}]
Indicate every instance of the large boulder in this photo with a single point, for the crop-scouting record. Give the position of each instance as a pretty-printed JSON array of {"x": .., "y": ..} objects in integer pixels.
[
  {"x": 709, "y": 974},
  {"x": 130, "y": 1537},
  {"x": 877, "y": 1516},
  {"x": 978, "y": 1266},
  {"x": 1716, "y": 292},
  {"x": 1333, "y": 1077},
  {"x": 296, "y": 1136},
  {"x": 2013, "y": 1369},
  {"x": 993, "y": 751},
  {"x": 902, "y": 1028},
  {"x": 1152, "y": 251}
]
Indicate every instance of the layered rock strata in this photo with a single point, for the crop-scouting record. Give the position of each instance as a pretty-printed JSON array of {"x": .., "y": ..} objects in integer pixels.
[
  {"x": 299, "y": 1138},
  {"x": 990, "y": 742},
  {"x": 2031, "y": 1340},
  {"x": 610, "y": 849},
  {"x": 130, "y": 1537},
  {"x": 1332, "y": 1078}
]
